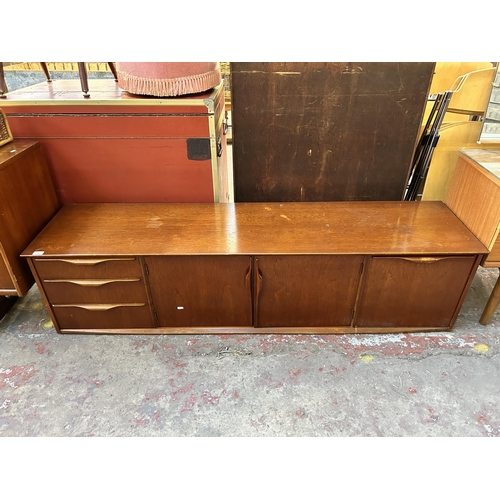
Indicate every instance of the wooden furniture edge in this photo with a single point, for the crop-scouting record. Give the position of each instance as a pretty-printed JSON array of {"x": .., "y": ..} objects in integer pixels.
[
  {"x": 253, "y": 330},
  {"x": 43, "y": 295},
  {"x": 474, "y": 163},
  {"x": 465, "y": 290}
]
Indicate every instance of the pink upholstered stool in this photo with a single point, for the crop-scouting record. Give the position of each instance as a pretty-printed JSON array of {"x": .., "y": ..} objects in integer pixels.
[{"x": 167, "y": 78}]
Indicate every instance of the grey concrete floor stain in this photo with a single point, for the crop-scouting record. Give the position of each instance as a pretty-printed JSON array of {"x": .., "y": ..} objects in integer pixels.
[{"x": 422, "y": 384}]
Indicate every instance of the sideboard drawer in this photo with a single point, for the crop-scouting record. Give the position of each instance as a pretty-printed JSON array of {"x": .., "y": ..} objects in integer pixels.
[
  {"x": 102, "y": 316},
  {"x": 95, "y": 291},
  {"x": 101, "y": 267}
]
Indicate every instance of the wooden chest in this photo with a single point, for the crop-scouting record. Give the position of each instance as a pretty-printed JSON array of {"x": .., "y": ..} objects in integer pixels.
[
  {"x": 27, "y": 202},
  {"x": 332, "y": 131},
  {"x": 346, "y": 267},
  {"x": 116, "y": 147}
]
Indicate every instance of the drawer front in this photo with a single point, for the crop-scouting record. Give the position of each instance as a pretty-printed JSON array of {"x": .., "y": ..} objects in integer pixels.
[
  {"x": 95, "y": 291},
  {"x": 97, "y": 268},
  {"x": 103, "y": 316}
]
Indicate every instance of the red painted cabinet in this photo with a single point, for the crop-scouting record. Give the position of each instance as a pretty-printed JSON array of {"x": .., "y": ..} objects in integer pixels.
[{"x": 116, "y": 147}]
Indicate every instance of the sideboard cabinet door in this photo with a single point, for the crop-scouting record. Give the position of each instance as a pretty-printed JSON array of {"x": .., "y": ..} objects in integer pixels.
[
  {"x": 413, "y": 291},
  {"x": 204, "y": 291},
  {"x": 305, "y": 290}
]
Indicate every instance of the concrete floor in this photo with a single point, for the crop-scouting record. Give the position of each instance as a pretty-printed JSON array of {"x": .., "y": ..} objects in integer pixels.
[{"x": 439, "y": 384}]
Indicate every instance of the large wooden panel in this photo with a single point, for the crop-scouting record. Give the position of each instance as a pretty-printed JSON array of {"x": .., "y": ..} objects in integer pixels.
[
  {"x": 300, "y": 290},
  {"x": 416, "y": 291},
  {"x": 325, "y": 131},
  {"x": 201, "y": 291}
]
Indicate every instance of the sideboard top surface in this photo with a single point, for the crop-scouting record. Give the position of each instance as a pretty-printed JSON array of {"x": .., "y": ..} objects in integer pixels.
[{"x": 370, "y": 228}]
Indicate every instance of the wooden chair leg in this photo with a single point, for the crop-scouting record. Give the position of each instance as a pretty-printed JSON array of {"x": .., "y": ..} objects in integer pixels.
[
  {"x": 492, "y": 303},
  {"x": 46, "y": 71},
  {"x": 82, "y": 70},
  {"x": 113, "y": 70},
  {"x": 3, "y": 84}
]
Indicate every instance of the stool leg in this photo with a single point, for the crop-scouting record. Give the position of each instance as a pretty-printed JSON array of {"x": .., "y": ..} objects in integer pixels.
[
  {"x": 113, "y": 70},
  {"x": 82, "y": 70},
  {"x": 46, "y": 71},
  {"x": 492, "y": 303},
  {"x": 3, "y": 84}
]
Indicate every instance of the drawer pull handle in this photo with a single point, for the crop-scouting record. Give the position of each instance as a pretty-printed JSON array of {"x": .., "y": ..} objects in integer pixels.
[
  {"x": 248, "y": 275},
  {"x": 83, "y": 262},
  {"x": 93, "y": 282},
  {"x": 427, "y": 260},
  {"x": 99, "y": 307}
]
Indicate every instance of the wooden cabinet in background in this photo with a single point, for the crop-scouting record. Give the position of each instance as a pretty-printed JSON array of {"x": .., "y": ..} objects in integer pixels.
[
  {"x": 474, "y": 197},
  {"x": 27, "y": 203},
  {"x": 346, "y": 267}
]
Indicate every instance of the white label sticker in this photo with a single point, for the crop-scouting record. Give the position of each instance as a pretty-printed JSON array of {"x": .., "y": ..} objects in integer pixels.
[{"x": 38, "y": 252}]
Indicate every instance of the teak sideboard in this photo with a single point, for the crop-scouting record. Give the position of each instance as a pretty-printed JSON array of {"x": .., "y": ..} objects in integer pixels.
[{"x": 341, "y": 267}]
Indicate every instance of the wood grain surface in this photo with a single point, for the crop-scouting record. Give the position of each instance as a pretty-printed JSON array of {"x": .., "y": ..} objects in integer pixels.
[
  {"x": 313, "y": 131},
  {"x": 401, "y": 292},
  {"x": 474, "y": 194},
  {"x": 318, "y": 290},
  {"x": 370, "y": 228}
]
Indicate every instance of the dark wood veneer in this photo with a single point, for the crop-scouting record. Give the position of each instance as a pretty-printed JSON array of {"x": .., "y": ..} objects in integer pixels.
[{"x": 325, "y": 131}]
